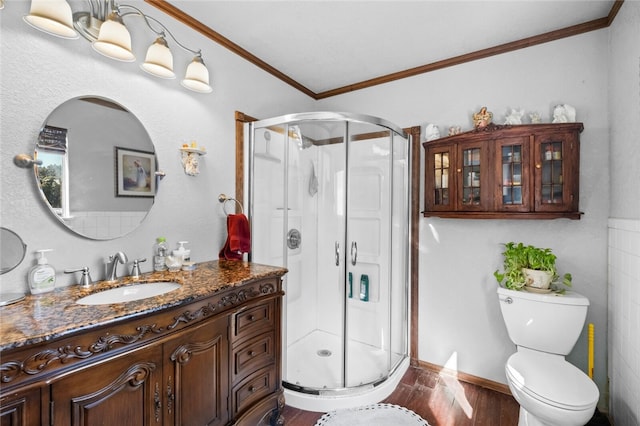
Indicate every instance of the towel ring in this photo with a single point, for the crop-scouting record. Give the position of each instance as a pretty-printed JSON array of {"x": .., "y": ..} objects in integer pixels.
[{"x": 224, "y": 199}]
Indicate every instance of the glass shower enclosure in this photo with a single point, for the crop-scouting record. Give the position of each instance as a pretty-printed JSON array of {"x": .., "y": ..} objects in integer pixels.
[{"x": 328, "y": 198}]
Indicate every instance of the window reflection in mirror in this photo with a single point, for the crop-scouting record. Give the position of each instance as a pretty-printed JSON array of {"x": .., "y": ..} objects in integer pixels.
[
  {"x": 78, "y": 178},
  {"x": 54, "y": 181}
]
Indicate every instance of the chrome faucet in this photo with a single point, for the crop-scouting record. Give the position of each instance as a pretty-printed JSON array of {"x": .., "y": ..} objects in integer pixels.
[{"x": 112, "y": 266}]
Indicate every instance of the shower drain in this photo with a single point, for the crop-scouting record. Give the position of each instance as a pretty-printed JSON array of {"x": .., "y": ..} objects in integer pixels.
[{"x": 324, "y": 352}]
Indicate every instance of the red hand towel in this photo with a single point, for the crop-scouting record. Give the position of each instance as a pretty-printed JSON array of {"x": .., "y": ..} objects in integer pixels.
[
  {"x": 238, "y": 238},
  {"x": 239, "y": 233}
]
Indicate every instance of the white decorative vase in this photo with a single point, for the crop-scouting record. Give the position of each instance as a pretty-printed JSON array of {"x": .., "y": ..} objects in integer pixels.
[{"x": 537, "y": 279}]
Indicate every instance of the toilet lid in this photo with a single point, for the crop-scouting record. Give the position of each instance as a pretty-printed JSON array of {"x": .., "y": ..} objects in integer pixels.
[{"x": 552, "y": 380}]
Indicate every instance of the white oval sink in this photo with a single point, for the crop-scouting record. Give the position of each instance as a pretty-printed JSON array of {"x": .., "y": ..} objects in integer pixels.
[{"x": 129, "y": 293}]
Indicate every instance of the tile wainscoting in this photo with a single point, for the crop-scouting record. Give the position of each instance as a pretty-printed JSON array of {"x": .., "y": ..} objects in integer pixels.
[{"x": 624, "y": 321}]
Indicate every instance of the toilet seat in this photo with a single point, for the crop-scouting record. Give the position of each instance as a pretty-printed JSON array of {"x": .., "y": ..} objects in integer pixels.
[{"x": 551, "y": 380}]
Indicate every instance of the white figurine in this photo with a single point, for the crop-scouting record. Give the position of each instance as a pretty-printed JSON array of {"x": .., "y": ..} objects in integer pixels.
[
  {"x": 432, "y": 132},
  {"x": 454, "y": 130},
  {"x": 564, "y": 113},
  {"x": 190, "y": 163},
  {"x": 514, "y": 117},
  {"x": 535, "y": 117}
]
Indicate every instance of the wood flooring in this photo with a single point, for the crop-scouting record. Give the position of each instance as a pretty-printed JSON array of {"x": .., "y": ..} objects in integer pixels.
[{"x": 440, "y": 399}]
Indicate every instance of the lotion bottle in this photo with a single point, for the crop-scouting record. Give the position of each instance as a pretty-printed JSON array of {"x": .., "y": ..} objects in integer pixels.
[
  {"x": 182, "y": 252},
  {"x": 42, "y": 277}
]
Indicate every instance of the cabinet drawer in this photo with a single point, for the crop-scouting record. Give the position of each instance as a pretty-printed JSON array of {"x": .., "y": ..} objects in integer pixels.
[
  {"x": 253, "y": 321},
  {"x": 257, "y": 353},
  {"x": 255, "y": 387}
]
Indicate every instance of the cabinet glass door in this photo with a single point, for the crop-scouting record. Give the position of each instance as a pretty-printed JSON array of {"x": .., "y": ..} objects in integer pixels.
[
  {"x": 513, "y": 174},
  {"x": 552, "y": 181},
  {"x": 439, "y": 173},
  {"x": 557, "y": 171},
  {"x": 471, "y": 176}
]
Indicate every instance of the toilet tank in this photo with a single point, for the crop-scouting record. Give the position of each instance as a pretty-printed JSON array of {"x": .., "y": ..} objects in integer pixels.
[{"x": 545, "y": 322}]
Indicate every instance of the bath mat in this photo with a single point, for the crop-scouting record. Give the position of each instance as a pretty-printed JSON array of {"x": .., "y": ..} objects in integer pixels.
[{"x": 372, "y": 415}]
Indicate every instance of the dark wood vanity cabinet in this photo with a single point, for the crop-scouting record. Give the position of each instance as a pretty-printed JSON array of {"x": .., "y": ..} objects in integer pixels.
[
  {"x": 117, "y": 391},
  {"x": 196, "y": 376},
  {"x": 212, "y": 362},
  {"x": 179, "y": 382},
  {"x": 255, "y": 361},
  {"x": 511, "y": 171},
  {"x": 21, "y": 408}
]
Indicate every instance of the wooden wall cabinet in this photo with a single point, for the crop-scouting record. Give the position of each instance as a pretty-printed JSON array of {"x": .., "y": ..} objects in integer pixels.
[
  {"x": 505, "y": 172},
  {"x": 215, "y": 362}
]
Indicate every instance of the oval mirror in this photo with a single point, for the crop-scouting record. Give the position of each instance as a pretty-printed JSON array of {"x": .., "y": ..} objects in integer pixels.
[
  {"x": 98, "y": 171},
  {"x": 12, "y": 250}
]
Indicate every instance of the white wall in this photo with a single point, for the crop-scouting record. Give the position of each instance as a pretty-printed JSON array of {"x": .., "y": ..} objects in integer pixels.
[
  {"x": 459, "y": 316},
  {"x": 39, "y": 72},
  {"x": 624, "y": 223}
]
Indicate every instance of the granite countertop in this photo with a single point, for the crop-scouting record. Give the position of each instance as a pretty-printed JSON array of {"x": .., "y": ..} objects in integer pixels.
[{"x": 47, "y": 316}]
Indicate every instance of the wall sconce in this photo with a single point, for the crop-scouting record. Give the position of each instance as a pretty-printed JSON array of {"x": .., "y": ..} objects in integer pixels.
[{"x": 104, "y": 27}]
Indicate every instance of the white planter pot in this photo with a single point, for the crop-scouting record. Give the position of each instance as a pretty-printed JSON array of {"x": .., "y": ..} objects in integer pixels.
[{"x": 537, "y": 279}]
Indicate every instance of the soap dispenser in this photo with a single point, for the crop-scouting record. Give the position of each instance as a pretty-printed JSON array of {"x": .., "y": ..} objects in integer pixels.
[
  {"x": 182, "y": 252},
  {"x": 42, "y": 277}
]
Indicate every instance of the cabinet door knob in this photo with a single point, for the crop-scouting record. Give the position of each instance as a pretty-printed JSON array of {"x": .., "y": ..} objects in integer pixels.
[
  {"x": 538, "y": 166},
  {"x": 458, "y": 170}
]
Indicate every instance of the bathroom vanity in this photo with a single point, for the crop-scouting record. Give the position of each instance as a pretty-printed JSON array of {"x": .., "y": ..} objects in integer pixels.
[{"x": 206, "y": 353}]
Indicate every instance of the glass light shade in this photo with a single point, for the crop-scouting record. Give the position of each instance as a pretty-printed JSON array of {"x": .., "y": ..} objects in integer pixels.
[
  {"x": 159, "y": 60},
  {"x": 197, "y": 77},
  {"x": 53, "y": 17},
  {"x": 114, "y": 40}
]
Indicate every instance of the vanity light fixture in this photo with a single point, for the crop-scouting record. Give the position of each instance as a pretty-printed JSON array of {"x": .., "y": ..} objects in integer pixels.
[
  {"x": 114, "y": 40},
  {"x": 104, "y": 27},
  {"x": 53, "y": 17}
]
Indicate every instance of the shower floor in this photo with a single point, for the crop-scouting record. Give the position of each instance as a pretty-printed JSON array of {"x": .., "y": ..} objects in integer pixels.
[{"x": 315, "y": 361}]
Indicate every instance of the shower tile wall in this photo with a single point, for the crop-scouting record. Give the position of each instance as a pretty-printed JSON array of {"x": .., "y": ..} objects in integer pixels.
[{"x": 624, "y": 321}]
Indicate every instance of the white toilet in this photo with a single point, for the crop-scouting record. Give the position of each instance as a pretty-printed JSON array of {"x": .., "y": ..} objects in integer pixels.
[{"x": 545, "y": 327}]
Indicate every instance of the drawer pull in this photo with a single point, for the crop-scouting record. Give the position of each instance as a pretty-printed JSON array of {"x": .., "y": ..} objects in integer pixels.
[
  {"x": 251, "y": 389},
  {"x": 251, "y": 317},
  {"x": 251, "y": 353}
]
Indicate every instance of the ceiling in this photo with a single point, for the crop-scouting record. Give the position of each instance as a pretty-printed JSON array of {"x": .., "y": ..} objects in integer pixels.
[{"x": 328, "y": 47}]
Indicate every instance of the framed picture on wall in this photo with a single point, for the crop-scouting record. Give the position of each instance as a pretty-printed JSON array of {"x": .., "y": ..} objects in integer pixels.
[{"x": 135, "y": 173}]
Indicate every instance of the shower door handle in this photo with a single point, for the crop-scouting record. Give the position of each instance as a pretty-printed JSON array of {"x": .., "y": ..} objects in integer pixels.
[
  {"x": 354, "y": 253},
  {"x": 337, "y": 249}
]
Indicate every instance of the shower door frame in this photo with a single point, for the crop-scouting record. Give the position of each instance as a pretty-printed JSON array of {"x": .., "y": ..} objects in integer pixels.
[{"x": 407, "y": 139}]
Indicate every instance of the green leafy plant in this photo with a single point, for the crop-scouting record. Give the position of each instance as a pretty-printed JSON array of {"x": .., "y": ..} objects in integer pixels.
[{"x": 518, "y": 256}]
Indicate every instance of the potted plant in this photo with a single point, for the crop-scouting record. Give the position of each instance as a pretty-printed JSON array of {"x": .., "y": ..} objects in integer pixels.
[{"x": 531, "y": 268}]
